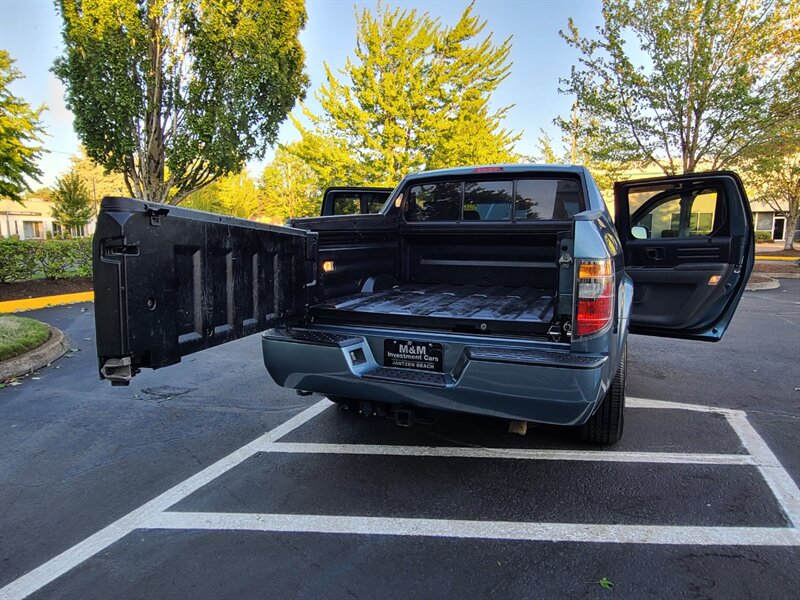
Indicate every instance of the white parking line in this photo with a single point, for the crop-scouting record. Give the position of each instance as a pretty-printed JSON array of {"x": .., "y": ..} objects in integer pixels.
[
  {"x": 780, "y": 482},
  {"x": 497, "y": 530},
  {"x": 676, "y": 458},
  {"x": 69, "y": 559},
  {"x": 153, "y": 515}
]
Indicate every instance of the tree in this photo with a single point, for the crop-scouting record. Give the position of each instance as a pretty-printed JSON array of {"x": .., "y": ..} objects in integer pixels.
[
  {"x": 72, "y": 205},
  {"x": 174, "y": 94},
  {"x": 99, "y": 182},
  {"x": 695, "y": 89},
  {"x": 580, "y": 135},
  {"x": 773, "y": 168},
  {"x": 20, "y": 135},
  {"x": 417, "y": 95},
  {"x": 290, "y": 187},
  {"x": 235, "y": 194}
]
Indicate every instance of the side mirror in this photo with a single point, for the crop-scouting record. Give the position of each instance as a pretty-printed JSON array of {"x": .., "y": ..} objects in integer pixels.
[{"x": 639, "y": 232}]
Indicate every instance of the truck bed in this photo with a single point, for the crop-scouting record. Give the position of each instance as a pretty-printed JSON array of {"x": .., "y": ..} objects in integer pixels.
[{"x": 445, "y": 302}]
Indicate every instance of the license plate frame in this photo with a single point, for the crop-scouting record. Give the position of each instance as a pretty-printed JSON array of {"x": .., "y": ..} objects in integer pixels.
[{"x": 413, "y": 354}]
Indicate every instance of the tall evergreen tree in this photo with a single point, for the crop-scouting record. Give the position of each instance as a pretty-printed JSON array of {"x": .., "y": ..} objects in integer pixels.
[
  {"x": 72, "y": 205},
  {"x": 417, "y": 95}
]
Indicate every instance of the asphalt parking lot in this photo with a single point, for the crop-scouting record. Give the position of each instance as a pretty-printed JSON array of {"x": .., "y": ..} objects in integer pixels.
[{"x": 205, "y": 480}]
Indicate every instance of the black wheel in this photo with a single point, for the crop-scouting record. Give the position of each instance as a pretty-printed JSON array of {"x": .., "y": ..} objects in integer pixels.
[{"x": 605, "y": 425}]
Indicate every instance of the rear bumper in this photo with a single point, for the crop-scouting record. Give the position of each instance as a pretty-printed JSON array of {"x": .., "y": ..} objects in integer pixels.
[{"x": 512, "y": 380}]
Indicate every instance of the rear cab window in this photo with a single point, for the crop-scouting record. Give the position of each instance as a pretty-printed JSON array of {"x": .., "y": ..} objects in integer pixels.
[{"x": 503, "y": 199}]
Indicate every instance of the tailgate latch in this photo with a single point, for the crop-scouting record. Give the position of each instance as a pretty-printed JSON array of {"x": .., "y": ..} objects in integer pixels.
[
  {"x": 565, "y": 260},
  {"x": 155, "y": 215}
]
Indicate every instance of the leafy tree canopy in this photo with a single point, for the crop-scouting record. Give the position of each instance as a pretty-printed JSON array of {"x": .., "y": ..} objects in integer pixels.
[
  {"x": 99, "y": 182},
  {"x": 416, "y": 95},
  {"x": 773, "y": 167},
  {"x": 235, "y": 194},
  {"x": 290, "y": 187},
  {"x": 72, "y": 205},
  {"x": 580, "y": 136},
  {"x": 176, "y": 93},
  {"x": 20, "y": 135},
  {"x": 696, "y": 85}
]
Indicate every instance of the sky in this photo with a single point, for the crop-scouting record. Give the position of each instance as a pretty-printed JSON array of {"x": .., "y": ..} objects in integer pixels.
[{"x": 30, "y": 32}]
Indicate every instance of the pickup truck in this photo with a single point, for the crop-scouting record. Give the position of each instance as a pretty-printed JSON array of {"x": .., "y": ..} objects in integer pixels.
[{"x": 504, "y": 291}]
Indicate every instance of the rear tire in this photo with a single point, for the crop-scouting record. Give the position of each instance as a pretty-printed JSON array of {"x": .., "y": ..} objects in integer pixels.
[{"x": 606, "y": 424}]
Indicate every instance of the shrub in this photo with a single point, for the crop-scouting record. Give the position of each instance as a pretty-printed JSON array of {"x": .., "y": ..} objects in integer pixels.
[
  {"x": 16, "y": 260},
  {"x": 83, "y": 257},
  {"x": 763, "y": 236},
  {"x": 54, "y": 259}
]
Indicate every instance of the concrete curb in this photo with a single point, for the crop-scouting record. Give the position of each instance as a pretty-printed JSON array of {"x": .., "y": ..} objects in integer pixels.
[
  {"x": 9, "y": 306},
  {"x": 54, "y": 348},
  {"x": 764, "y": 285},
  {"x": 776, "y": 258}
]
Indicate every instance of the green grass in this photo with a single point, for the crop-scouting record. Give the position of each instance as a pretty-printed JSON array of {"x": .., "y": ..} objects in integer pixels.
[{"x": 19, "y": 334}]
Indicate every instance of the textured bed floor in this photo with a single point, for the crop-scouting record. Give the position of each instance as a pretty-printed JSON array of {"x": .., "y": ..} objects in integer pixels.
[{"x": 453, "y": 301}]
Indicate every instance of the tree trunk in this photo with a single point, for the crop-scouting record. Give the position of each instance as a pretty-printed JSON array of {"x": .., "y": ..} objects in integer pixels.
[{"x": 788, "y": 233}]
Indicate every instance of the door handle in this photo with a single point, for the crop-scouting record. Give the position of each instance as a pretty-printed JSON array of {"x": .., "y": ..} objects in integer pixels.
[{"x": 655, "y": 253}]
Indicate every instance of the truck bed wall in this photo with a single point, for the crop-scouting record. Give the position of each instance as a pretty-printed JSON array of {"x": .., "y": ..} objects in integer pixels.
[
  {"x": 505, "y": 258},
  {"x": 491, "y": 254}
]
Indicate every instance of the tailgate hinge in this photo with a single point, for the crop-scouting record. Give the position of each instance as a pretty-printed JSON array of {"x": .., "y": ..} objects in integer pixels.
[
  {"x": 311, "y": 246},
  {"x": 117, "y": 370}
]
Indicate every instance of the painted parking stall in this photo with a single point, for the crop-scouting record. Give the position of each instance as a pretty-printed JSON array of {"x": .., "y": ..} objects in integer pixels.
[{"x": 172, "y": 510}]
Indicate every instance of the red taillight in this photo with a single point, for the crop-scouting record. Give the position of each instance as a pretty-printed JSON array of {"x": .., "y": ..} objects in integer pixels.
[
  {"x": 595, "y": 291},
  {"x": 487, "y": 169}
]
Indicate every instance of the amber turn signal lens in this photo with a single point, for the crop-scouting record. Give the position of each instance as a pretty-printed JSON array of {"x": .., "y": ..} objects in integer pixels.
[
  {"x": 714, "y": 280},
  {"x": 594, "y": 268},
  {"x": 327, "y": 266}
]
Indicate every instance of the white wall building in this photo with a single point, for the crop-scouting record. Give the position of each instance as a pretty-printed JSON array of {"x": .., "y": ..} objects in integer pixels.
[{"x": 32, "y": 220}]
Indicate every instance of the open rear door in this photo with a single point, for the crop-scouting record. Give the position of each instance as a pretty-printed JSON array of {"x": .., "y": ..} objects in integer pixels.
[
  {"x": 170, "y": 281},
  {"x": 689, "y": 248}
]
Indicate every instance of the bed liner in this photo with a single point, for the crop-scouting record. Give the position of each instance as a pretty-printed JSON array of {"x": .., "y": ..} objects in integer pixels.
[{"x": 449, "y": 301}]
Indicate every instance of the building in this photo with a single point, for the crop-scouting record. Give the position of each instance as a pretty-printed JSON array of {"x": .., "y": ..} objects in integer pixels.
[
  {"x": 32, "y": 220},
  {"x": 766, "y": 219}
]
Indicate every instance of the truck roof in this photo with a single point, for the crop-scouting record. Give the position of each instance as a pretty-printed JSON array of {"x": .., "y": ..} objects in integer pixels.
[{"x": 515, "y": 168}]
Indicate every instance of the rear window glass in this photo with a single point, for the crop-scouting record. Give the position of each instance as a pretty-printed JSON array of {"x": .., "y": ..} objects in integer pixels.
[
  {"x": 434, "y": 202},
  {"x": 547, "y": 199},
  {"x": 346, "y": 204},
  {"x": 494, "y": 200},
  {"x": 488, "y": 200}
]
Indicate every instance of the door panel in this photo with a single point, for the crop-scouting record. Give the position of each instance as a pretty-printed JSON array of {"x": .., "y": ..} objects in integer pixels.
[
  {"x": 689, "y": 247},
  {"x": 170, "y": 281}
]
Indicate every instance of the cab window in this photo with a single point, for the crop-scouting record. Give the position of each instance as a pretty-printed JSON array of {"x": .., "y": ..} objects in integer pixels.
[
  {"x": 346, "y": 204},
  {"x": 676, "y": 214},
  {"x": 434, "y": 202},
  {"x": 538, "y": 199},
  {"x": 488, "y": 200}
]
